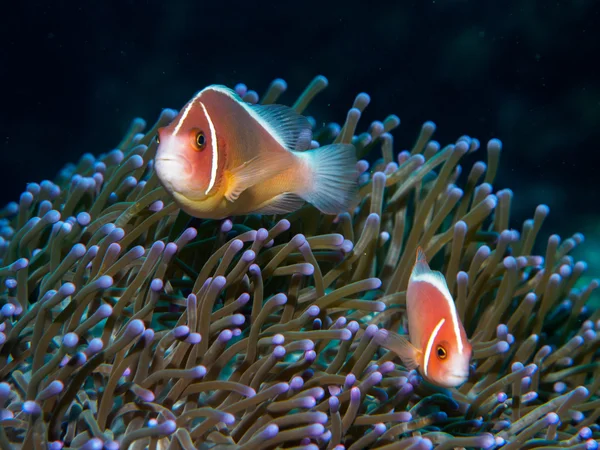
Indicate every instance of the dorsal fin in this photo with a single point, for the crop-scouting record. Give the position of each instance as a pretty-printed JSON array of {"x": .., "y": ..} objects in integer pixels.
[
  {"x": 421, "y": 267},
  {"x": 288, "y": 127},
  {"x": 292, "y": 130}
]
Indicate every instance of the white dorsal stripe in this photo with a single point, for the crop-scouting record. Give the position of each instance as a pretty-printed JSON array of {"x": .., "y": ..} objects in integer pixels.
[
  {"x": 441, "y": 286},
  {"x": 434, "y": 334},
  {"x": 250, "y": 111},
  {"x": 186, "y": 111},
  {"x": 215, "y": 150}
]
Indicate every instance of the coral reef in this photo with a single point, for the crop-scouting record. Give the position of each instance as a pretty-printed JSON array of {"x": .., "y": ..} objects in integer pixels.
[{"x": 126, "y": 324}]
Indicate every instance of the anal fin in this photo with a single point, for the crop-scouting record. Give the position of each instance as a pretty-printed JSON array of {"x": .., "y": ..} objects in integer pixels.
[
  {"x": 281, "y": 204},
  {"x": 407, "y": 352}
]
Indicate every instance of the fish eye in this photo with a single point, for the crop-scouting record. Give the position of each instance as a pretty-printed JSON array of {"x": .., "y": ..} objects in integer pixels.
[
  {"x": 441, "y": 352},
  {"x": 200, "y": 140}
]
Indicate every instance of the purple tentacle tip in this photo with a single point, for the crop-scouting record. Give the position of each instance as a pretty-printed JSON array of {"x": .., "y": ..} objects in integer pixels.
[
  {"x": 225, "y": 336},
  {"x": 7, "y": 310},
  {"x": 379, "y": 429},
  {"x": 310, "y": 356},
  {"x": 353, "y": 327},
  {"x": 371, "y": 331},
  {"x": 104, "y": 282},
  {"x": 157, "y": 285},
  {"x": 374, "y": 378},
  {"x": 167, "y": 427},
  {"x": 134, "y": 328},
  {"x": 94, "y": 346},
  {"x": 19, "y": 264},
  {"x": 307, "y": 402},
  {"x": 31, "y": 407},
  {"x": 70, "y": 340},
  {"x": 387, "y": 367},
  {"x": 347, "y": 246},
  {"x": 238, "y": 319},
  {"x": 379, "y": 306},
  {"x": 93, "y": 444},
  {"x": 219, "y": 282},
  {"x": 334, "y": 404},
  {"x": 156, "y": 206},
  {"x": 228, "y": 419},
  {"x": 104, "y": 311},
  {"x": 261, "y": 234},
  {"x": 269, "y": 432},
  {"x": 54, "y": 388},
  {"x": 248, "y": 256},
  {"x": 78, "y": 250},
  {"x": 552, "y": 418},
  {"x": 193, "y": 338},
  {"x": 296, "y": 383},
  {"x": 145, "y": 395},
  {"x": 199, "y": 372},
  {"x": 278, "y": 339},
  {"x": 170, "y": 250},
  {"x": 502, "y": 347},
  {"x": 298, "y": 240},
  {"x": 316, "y": 429},
  {"x": 355, "y": 394},
  {"x": 346, "y": 334},
  {"x": 181, "y": 331},
  {"x": 313, "y": 310}
]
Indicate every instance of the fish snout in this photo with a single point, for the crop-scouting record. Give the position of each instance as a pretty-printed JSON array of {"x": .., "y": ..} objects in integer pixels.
[{"x": 171, "y": 155}]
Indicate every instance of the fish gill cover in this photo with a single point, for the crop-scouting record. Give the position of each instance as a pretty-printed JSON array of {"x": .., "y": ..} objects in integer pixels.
[{"x": 125, "y": 325}]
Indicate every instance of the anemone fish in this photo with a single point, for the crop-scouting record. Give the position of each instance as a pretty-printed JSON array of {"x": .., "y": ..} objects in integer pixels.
[
  {"x": 221, "y": 157},
  {"x": 438, "y": 345}
]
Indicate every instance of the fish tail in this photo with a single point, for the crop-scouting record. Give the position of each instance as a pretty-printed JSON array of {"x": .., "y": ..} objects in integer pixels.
[{"x": 332, "y": 183}]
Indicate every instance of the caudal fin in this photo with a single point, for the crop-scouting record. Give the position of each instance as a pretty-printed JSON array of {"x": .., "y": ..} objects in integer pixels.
[{"x": 334, "y": 183}]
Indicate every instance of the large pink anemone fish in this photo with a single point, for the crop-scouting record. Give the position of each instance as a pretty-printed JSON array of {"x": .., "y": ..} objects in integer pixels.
[
  {"x": 438, "y": 345},
  {"x": 223, "y": 157}
]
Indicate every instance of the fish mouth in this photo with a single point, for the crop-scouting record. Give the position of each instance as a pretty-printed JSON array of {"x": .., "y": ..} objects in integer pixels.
[
  {"x": 458, "y": 378},
  {"x": 180, "y": 161}
]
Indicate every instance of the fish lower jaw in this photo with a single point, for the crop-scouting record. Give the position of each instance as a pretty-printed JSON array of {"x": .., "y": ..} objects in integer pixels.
[{"x": 457, "y": 380}]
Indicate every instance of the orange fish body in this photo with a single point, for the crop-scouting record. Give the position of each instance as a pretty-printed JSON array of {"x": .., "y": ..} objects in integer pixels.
[
  {"x": 222, "y": 157},
  {"x": 438, "y": 344}
]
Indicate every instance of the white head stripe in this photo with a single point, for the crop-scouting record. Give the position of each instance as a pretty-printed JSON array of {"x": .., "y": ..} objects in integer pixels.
[
  {"x": 441, "y": 286},
  {"x": 186, "y": 111},
  {"x": 434, "y": 334},
  {"x": 250, "y": 111},
  {"x": 215, "y": 151}
]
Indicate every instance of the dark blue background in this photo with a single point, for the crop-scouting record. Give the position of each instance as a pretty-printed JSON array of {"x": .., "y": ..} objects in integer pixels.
[{"x": 73, "y": 75}]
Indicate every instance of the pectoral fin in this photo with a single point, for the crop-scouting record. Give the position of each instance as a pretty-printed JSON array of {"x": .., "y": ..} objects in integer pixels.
[
  {"x": 407, "y": 352},
  {"x": 254, "y": 171}
]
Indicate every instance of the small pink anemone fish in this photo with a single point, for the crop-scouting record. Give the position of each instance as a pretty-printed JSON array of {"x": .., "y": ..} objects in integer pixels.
[
  {"x": 438, "y": 344},
  {"x": 223, "y": 157}
]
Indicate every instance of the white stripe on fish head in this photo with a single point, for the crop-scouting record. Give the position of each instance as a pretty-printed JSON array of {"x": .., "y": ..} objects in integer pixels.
[
  {"x": 440, "y": 285},
  {"x": 186, "y": 111},
  {"x": 215, "y": 150},
  {"x": 430, "y": 342}
]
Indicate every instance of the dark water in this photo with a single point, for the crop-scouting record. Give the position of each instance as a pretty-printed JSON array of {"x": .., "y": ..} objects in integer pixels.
[{"x": 73, "y": 75}]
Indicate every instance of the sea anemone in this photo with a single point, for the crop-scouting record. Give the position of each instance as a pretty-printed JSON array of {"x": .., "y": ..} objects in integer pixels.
[{"x": 125, "y": 323}]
